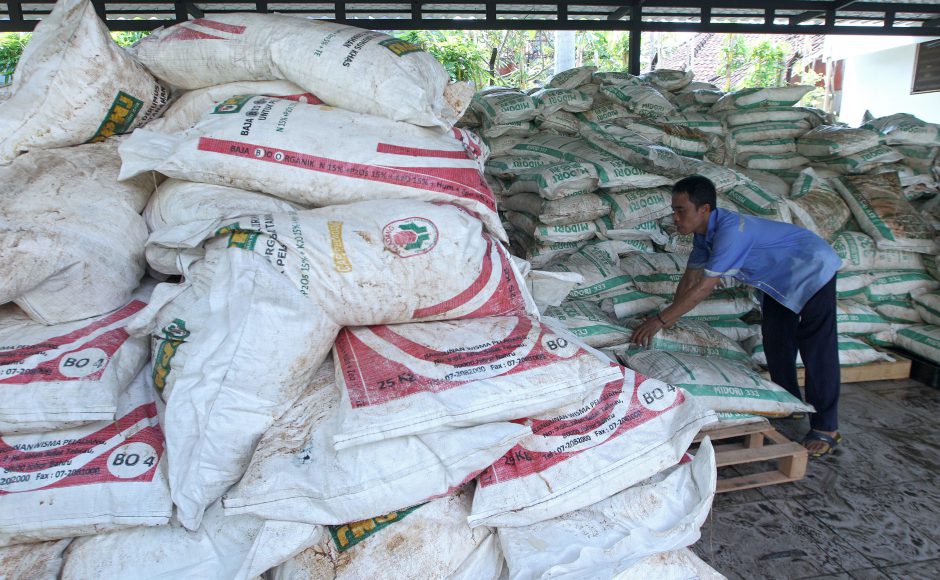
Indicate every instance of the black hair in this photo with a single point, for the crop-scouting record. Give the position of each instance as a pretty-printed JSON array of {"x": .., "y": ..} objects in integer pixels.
[{"x": 700, "y": 190}]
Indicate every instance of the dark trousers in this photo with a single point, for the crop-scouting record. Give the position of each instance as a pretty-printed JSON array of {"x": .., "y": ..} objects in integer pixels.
[{"x": 813, "y": 333}]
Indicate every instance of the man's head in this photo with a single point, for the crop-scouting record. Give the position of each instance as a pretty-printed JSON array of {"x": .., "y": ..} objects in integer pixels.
[{"x": 693, "y": 199}]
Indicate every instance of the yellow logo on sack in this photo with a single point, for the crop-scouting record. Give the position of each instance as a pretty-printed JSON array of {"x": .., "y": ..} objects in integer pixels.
[{"x": 341, "y": 261}]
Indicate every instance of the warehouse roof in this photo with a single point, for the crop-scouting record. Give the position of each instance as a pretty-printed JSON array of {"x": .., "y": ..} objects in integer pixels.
[{"x": 899, "y": 17}]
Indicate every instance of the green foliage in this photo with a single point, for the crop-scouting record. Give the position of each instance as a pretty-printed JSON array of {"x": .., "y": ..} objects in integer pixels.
[
  {"x": 608, "y": 50},
  {"x": 464, "y": 59},
  {"x": 123, "y": 38},
  {"x": 11, "y": 48},
  {"x": 767, "y": 65},
  {"x": 733, "y": 57}
]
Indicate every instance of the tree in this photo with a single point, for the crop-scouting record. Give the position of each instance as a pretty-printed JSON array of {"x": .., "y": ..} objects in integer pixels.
[
  {"x": 767, "y": 65},
  {"x": 464, "y": 59},
  {"x": 734, "y": 55},
  {"x": 13, "y": 43}
]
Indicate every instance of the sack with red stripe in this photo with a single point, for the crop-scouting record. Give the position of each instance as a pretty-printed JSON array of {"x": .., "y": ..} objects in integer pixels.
[
  {"x": 239, "y": 339},
  {"x": 588, "y": 450},
  {"x": 408, "y": 379},
  {"x": 296, "y": 474},
  {"x": 101, "y": 476},
  {"x": 360, "y": 70},
  {"x": 316, "y": 155},
  {"x": 54, "y": 377}
]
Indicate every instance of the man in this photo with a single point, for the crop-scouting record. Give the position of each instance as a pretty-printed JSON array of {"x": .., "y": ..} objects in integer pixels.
[{"x": 795, "y": 271}]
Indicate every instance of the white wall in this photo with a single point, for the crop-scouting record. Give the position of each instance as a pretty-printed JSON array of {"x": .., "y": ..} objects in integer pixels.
[{"x": 881, "y": 83}]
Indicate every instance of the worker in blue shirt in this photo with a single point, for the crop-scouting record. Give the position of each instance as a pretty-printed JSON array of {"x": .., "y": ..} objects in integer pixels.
[{"x": 795, "y": 271}]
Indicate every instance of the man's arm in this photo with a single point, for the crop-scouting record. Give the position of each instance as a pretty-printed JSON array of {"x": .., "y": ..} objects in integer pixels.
[
  {"x": 683, "y": 302},
  {"x": 690, "y": 278}
]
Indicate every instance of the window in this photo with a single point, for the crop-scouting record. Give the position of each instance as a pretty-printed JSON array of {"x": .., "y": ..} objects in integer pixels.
[{"x": 926, "y": 68}]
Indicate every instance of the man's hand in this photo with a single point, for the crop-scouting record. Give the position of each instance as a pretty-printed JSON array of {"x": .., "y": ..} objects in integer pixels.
[{"x": 644, "y": 333}]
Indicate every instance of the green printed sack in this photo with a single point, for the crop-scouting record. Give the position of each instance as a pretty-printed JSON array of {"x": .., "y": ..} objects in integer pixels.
[
  {"x": 505, "y": 107},
  {"x": 588, "y": 322},
  {"x": 572, "y": 78},
  {"x": 860, "y": 254},
  {"x": 771, "y": 160},
  {"x": 510, "y": 166},
  {"x": 558, "y": 180},
  {"x": 829, "y": 141},
  {"x": 905, "y": 129},
  {"x": 862, "y": 162},
  {"x": 599, "y": 264},
  {"x": 549, "y": 101},
  {"x": 855, "y": 318},
  {"x": 769, "y": 130},
  {"x": 632, "y": 208},
  {"x": 559, "y": 122},
  {"x": 761, "y": 97},
  {"x": 704, "y": 123},
  {"x": 546, "y": 234},
  {"x": 642, "y": 100},
  {"x": 816, "y": 206},
  {"x": 688, "y": 337},
  {"x": 719, "y": 384},
  {"x": 923, "y": 340},
  {"x": 879, "y": 206},
  {"x": 928, "y": 304},
  {"x": 852, "y": 352},
  {"x": 668, "y": 79},
  {"x": 646, "y": 231}
]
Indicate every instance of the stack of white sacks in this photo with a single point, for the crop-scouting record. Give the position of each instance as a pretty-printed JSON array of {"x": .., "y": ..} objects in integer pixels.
[
  {"x": 342, "y": 372},
  {"x": 584, "y": 180}
]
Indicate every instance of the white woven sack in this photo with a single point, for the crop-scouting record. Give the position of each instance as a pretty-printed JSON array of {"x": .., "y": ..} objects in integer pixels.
[
  {"x": 724, "y": 178},
  {"x": 661, "y": 514},
  {"x": 859, "y": 254},
  {"x": 74, "y": 85},
  {"x": 738, "y": 117},
  {"x": 900, "y": 311},
  {"x": 431, "y": 540},
  {"x": 688, "y": 337},
  {"x": 852, "y": 352},
  {"x": 771, "y": 160},
  {"x": 315, "y": 155},
  {"x": 71, "y": 236},
  {"x": 761, "y": 97},
  {"x": 39, "y": 561},
  {"x": 816, "y": 206},
  {"x": 879, "y": 206},
  {"x": 604, "y": 113},
  {"x": 856, "y": 318},
  {"x": 921, "y": 157},
  {"x": 257, "y": 315},
  {"x": 510, "y": 166},
  {"x": 589, "y": 323},
  {"x": 784, "y": 145},
  {"x": 57, "y": 377},
  {"x": 547, "y": 234},
  {"x": 192, "y": 105},
  {"x": 505, "y": 107},
  {"x": 630, "y": 302},
  {"x": 515, "y": 128},
  {"x": 675, "y": 565},
  {"x": 572, "y": 78},
  {"x": 223, "y": 548},
  {"x": 540, "y": 254},
  {"x": 828, "y": 141},
  {"x": 557, "y": 180},
  {"x": 699, "y": 100},
  {"x": 360, "y": 70},
  {"x": 297, "y": 475},
  {"x": 721, "y": 385},
  {"x": 923, "y": 340},
  {"x": 905, "y": 129},
  {"x": 645, "y": 232},
  {"x": 768, "y": 182},
  {"x": 643, "y": 100},
  {"x": 560, "y": 122},
  {"x": 753, "y": 199},
  {"x": 551, "y": 100},
  {"x": 768, "y": 130},
  {"x": 178, "y": 202},
  {"x": 101, "y": 476},
  {"x": 616, "y": 78},
  {"x": 572, "y": 209},
  {"x": 668, "y": 79},
  {"x": 588, "y": 450},
  {"x": 636, "y": 151},
  {"x": 410, "y": 379},
  {"x": 599, "y": 264},
  {"x": 736, "y": 330},
  {"x": 928, "y": 305},
  {"x": 862, "y": 162},
  {"x": 703, "y": 122}
]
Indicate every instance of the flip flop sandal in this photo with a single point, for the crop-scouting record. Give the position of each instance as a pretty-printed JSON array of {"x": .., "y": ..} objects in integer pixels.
[{"x": 832, "y": 442}]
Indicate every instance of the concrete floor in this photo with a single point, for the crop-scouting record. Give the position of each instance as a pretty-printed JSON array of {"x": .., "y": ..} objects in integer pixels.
[{"x": 869, "y": 511}]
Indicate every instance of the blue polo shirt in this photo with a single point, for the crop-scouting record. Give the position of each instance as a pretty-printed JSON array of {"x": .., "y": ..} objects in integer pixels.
[{"x": 786, "y": 262}]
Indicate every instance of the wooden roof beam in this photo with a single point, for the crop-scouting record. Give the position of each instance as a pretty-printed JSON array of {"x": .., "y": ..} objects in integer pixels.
[{"x": 830, "y": 8}]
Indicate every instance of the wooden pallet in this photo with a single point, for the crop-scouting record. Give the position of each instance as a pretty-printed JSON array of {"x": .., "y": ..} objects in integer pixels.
[
  {"x": 756, "y": 443},
  {"x": 876, "y": 371}
]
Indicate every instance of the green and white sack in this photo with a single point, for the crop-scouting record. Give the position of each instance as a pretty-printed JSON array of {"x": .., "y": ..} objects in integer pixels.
[
  {"x": 573, "y": 209},
  {"x": 852, "y": 352},
  {"x": 647, "y": 231},
  {"x": 738, "y": 117},
  {"x": 588, "y": 322},
  {"x": 855, "y": 318},
  {"x": 862, "y": 162},
  {"x": 698, "y": 101},
  {"x": 769, "y": 130},
  {"x": 555, "y": 99},
  {"x": 704, "y": 123},
  {"x": 906, "y": 129},
  {"x": 560, "y": 122},
  {"x": 879, "y": 206},
  {"x": 928, "y": 304},
  {"x": 742, "y": 148},
  {"x": 882, "y": 285},
  {"x": 724, "y": 178},
  {"x": 860, "y": 254},
  {"x": 771, "y": 160},
  {"x": 688, "y": 337},
  {"x": 513, "y": 128},
  {"x": 668, "y": 79},
  {"x": 922, "y": 340},
  {"x": 617, "y": 78},
  {"x": 605, "y": 113},
  {"x": 540, "y": 254},
  {"x": 761, "y": 97},
  {"x": 736, "y": 330},
  {"x": 816, "y": 206},
  {"x": 643, "y": 100},
  {"x": 558, "y": 180},
  {"x": 631, "y": 303},
  {"x": 719, "y": 384},
  {"x": 546, "y": 234},
  {"x": 572, "y": 78},
  {"x": 505, "y": 107},
  {"x": 510, "y": 166},
  {"x": 829, "y": 141},
  {"x": 753, "y": 199},
  {"x": 680, "y": 138},
  {"x": 920, "y": 157},
  {"x": 636, "y": 151},
  {"x": 632, "y": 208},
  {"x": 901, "y": 311},
  {"x": 600, "y": 266}
]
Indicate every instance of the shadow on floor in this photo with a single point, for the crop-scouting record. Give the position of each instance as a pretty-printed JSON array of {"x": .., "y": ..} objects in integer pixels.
[{"x": 871, "y": 510}]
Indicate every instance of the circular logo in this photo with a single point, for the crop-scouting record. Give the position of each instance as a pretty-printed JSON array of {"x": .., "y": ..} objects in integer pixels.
[
  {"x": 259, "y": 152},
  {"x": 656, "y": 395},
  {"x": 132, "y": 460},
  {"x": 82, "y": 363},
  {"x": 410, "y": 237}
]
